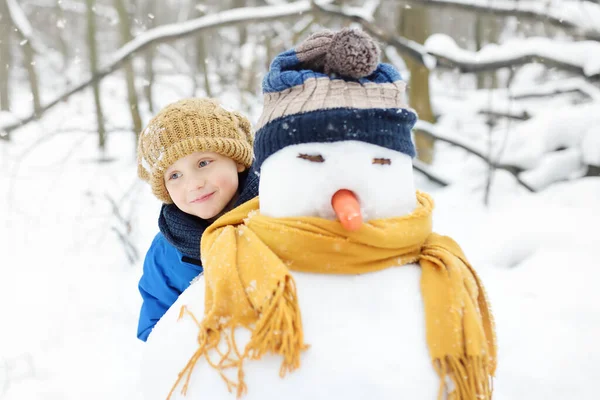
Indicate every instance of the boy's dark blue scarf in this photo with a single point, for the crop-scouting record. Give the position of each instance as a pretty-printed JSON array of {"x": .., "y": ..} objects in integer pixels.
[{"x": 184, "y": 231}]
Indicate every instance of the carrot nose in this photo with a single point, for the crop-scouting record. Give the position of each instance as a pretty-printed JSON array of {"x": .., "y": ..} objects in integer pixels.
[{"x": 347, "y": 209}]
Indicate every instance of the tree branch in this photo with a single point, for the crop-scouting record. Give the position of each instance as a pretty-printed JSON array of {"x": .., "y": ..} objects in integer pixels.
[
  {"x": 21, "y": 23},
  {"x": 522, "y": 116},
  {"x": 555, "y": 13},
  {"x": 423, "y": 168},
  {"x": 172, "y": 32},
  {"x": 431, "y": 131},
  {"x": 446, "y": 54},
  {"x": 563, "y": 86}
]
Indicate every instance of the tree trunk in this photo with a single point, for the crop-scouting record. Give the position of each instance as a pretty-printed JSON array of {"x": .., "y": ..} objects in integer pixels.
[
  {"x": 132, "y": 97},
  {"x": 64, "y": 47},
  {"x": 486, "y": 31},
  {"x": 243, "y": 38},
  {"x": 5, "y": 56},
  {"x": 29, "y": 61},
  {"x": 149, "y": 58},
  {"x": 479, "y": 42},
  {"x": 29, "y": 64},
  {"x": 414, "y": 25},
  {"x": 91, "y": 38}
]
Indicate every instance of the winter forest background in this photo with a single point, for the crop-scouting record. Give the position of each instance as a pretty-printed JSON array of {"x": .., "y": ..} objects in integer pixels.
[{"x": 508, "y": 95}]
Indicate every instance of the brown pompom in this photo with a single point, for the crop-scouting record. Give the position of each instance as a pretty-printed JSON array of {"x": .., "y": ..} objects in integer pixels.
[{"x": 352, "y": 53}]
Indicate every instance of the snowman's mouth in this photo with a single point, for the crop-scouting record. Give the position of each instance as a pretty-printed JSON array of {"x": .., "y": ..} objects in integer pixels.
[{"x": 347, "y": 209}]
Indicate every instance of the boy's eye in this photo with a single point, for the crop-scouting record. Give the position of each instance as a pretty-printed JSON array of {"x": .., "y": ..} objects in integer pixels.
[
  {"x": 204, "y": 163},
  {"x": 382, "y": 161},
  {"x": 174, "y": 175},
  {"x": 313, "y": 158}
]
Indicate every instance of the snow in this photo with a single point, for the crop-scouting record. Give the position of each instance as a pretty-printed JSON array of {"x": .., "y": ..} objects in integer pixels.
[
  {"x": 584, "y": 55},
  {"x": 345, "y": 310},
  {"x": 348, "y": 165},
  {"x": 73, "y": 332},
  {"x": 534, "y": 259},
  {"x": 590, "y": 147},
  {"x": 558, "y": 86},
  {"x": 69, "y": 290},
  {"x": 529, "y": 142},
  {"x": 6, "y": 119}
]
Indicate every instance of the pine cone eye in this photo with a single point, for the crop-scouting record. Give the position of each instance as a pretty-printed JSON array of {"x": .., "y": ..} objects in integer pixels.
[
  {"x": 382, "y": 161},
  {"x": 312, "y": 158}
]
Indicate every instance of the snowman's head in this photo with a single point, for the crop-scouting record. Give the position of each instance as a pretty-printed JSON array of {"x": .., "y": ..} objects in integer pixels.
[
  {"x": 335, "y": 133},
  {"x": 302, "y": 180}
]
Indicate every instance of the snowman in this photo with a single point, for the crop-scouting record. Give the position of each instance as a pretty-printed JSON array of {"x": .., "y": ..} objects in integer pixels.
[{"x": 331, "y": 283}]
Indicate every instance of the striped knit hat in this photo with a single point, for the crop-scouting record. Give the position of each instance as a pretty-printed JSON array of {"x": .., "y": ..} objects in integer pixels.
[{"x": 332, "y": 88}]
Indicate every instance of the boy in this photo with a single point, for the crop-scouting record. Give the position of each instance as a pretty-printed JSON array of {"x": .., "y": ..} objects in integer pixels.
[{"x": 196, "y": 156}]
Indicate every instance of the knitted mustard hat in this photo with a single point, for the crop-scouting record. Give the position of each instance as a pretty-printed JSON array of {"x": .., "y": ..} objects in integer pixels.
[{"x": 188, "y": 126}]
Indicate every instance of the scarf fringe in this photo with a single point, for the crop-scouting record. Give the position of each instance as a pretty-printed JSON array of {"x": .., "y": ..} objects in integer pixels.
[
  {"x": 279, "y": 328},
  {"x": 470, "y": 376},
  {"x": 278, "y": 331}
]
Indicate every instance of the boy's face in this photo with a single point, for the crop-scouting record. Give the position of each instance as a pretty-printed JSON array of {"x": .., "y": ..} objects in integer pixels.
[{"x": 203, "y": 183}]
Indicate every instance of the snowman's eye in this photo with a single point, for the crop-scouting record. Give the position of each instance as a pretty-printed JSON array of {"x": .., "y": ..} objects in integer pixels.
[
  {"x": 382, "y": 161},
  {"x": 311, "y": 157}
]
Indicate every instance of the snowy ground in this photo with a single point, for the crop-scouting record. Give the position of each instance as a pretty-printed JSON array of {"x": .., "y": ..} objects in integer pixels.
[{"x": 68, "y": 289}]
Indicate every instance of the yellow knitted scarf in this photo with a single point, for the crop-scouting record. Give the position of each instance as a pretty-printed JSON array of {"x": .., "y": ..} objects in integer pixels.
[{"x": 248, "y": 257}]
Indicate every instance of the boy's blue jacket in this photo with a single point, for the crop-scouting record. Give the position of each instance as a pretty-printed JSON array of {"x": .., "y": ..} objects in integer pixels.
[
  {"x": 167, "y": 273},
  {"x": 173, "y": 259}
]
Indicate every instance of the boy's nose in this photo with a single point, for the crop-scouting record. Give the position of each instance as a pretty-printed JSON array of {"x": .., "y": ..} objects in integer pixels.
[{"x": 196, "y": 183}]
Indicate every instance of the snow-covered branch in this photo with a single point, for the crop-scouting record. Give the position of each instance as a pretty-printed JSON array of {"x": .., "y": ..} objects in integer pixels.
[
  {"x": 552, "y": 88},
  {"x": 581, "y": 16},
  {"x": 582, "y": 58},
  {"x": 171, "y": 32},
  {"x": 21, "y": 23}
]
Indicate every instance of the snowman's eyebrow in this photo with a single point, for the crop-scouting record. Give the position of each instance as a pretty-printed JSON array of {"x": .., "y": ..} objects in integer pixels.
[
  {"x": 311, "y": 157},
  {"x": 382, "y": 161}
]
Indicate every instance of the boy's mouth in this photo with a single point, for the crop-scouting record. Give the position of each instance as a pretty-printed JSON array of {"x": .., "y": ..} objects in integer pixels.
[{"x": 202, "y": 198}]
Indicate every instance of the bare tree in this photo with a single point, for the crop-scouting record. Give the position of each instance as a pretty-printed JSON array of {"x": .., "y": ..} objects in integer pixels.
[
  {"x": 414, "y": 25},
  {"x": 5, "y": 56},
  {"x": 149, "y": 11},
  {"x": 202, "y": 56},
  {"x": 62, "y": 42},
  {"x": 91, "y": 38},
  {"x": 29, "y": 61},
  {"x": 21, "y": 24},
  {"x": 132, "y": 96},
  {"x": 486, "y": 31}
]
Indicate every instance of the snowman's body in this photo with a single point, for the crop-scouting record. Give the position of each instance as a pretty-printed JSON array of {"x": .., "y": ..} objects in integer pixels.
[
  {"x": 366, "y": 332},
  {"x": 366, "y": 336}
]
